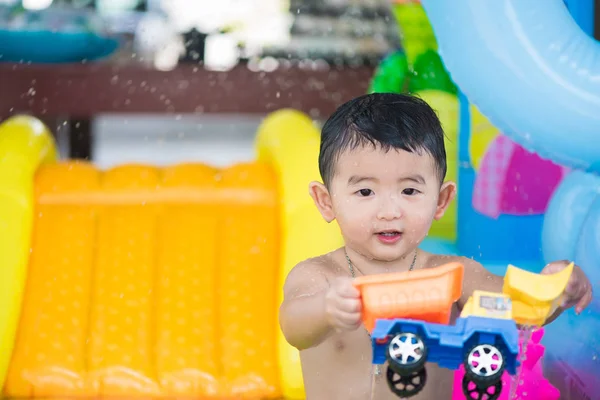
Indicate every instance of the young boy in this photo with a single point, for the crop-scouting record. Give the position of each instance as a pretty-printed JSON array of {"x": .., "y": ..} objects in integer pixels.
[{"x": 383, "y": 163}]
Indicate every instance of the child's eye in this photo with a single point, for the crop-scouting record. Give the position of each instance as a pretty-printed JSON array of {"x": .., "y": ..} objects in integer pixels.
[
  {"x": 365, "y": 192},
  {"x": 410, "y": 191}
]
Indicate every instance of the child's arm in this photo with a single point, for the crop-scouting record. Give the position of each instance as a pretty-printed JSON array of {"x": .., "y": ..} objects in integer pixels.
[
  {"x": 477, "y": 278},
  {"x": 302, "y": 314},
  {"x": 313, "y": 308},
  {"x": 578, "y": 289}
]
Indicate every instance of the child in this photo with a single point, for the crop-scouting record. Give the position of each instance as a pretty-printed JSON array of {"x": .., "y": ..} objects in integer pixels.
[{"x": 383, "y": 163}]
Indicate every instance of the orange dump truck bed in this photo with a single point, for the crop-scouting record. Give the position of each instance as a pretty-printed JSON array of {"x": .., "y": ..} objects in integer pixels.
[{"x": 426, "y": 294}]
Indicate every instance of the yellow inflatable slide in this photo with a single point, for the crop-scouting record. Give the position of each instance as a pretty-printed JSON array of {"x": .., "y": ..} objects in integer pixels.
[
  {"x": 25, "y": 145},
  {"x": 154, "y": 282}
]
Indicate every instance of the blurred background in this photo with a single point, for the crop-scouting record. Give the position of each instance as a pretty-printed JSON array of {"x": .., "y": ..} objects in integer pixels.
[
  {"x": 179, "y": 75},
  {"x": 212, "y": 110}
]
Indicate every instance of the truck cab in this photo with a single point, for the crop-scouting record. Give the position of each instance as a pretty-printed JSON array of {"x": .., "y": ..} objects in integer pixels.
[{"x": 488, "y": 305}]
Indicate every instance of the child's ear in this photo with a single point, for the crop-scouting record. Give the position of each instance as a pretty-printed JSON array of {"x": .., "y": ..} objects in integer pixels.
[
  {"x": 447, "y": 194},
  {"x": 322, "y": 200}
]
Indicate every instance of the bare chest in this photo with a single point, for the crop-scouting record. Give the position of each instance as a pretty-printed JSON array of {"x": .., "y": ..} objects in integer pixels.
[{"x": 342, "y": 367}]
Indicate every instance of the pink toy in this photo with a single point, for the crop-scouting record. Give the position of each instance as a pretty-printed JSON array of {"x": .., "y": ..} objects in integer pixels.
[
  {"x": 513, "y": 181},
  {"x": 532, "y": 385}
]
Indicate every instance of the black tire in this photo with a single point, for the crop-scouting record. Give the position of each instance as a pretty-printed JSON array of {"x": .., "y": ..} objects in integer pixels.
[
  {"x": 474, "y": 391},
  {"x": 409, "y": 364},
  {"x": 406, "y": 385},
  {"x": 486, "y": 374}
]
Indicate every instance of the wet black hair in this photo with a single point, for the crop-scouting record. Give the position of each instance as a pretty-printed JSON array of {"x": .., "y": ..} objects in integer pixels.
[{"x": 384, "y": 120}]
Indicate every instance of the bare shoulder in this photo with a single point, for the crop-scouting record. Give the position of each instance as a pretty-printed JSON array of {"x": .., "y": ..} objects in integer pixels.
[
  {"x": 436, "y": 260},
  {"x": 311, "y": 275},
  {"x": 476, "y": 276}
]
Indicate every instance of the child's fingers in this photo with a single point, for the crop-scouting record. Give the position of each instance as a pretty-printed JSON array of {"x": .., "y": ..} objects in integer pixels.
[
  {"x": 571, "y": 295},
  {"x": 577, "y": 293},
  {"x": 347, "y": 289},
  {"x": 554, "y": 267},
  {"x": 577, "y": 287},
  {"x": 551, "y": 269},
  {"x": 568, "y": 303},
  {"x": 573, "y": 288},
  {"x": 349, "y": 321},
  {"x": 585, "y": 301},
  {"x": 349, "y": 305},
  {"x": 349, "y": 318}
]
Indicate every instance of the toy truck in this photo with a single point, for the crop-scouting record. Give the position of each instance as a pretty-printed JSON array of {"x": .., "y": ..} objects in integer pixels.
[{"x": 408, "y": 315}]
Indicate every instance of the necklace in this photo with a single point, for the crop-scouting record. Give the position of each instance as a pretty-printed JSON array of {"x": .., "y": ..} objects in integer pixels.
[
  {"x": 351, "y": 265},
  {"x": 353, "y": 273}
]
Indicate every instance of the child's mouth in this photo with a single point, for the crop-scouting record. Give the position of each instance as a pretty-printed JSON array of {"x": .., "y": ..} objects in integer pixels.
[{"x": 389, "y": 236}]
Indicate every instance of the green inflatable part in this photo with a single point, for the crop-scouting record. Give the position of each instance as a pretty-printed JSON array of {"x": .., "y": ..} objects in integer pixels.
[
  {"x": 415, "y": 30},
  {"x": 428, "y": 72},
  {"x": 391, "y": 74}
]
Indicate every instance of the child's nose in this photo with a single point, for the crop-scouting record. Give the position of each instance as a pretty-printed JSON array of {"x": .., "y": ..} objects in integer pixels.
[{"x": 389, "y": 209}]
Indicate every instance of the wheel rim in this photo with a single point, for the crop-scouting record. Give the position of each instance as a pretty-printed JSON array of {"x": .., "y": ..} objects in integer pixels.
[
  {"x": 473, "y": 391},
  {"x": 406, "y": 385},
  {"x": 485, "y": 360},
  {"x": 406, "y": 348}
]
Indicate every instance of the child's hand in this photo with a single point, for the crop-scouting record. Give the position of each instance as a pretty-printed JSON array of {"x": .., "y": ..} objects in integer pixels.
[
  {"x": 343, "y": 306},
  {"x": 578, "y": 292}
]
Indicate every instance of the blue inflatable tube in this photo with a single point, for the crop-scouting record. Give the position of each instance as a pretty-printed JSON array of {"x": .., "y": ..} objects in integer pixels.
[
  {"x": 566, "y": 216},
  {"x": 530, "y": 69}
]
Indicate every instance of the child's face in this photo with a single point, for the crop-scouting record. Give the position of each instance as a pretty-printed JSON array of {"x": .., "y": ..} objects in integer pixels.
[{"x": 384, "y": 202}]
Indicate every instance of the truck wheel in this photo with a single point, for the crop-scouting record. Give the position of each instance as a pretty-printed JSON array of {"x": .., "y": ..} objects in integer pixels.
[
  {"x": 484, "y": 364},
  {"x": 475, "y": 391},
  {"x": 406, "y": 385},
  {"x": 406, "y": 353}
]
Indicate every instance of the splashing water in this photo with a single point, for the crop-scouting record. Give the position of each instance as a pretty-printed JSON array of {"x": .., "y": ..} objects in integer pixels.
[
  {"x": 376, "y": 374},
  {"x": 515, "y": 381}
]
